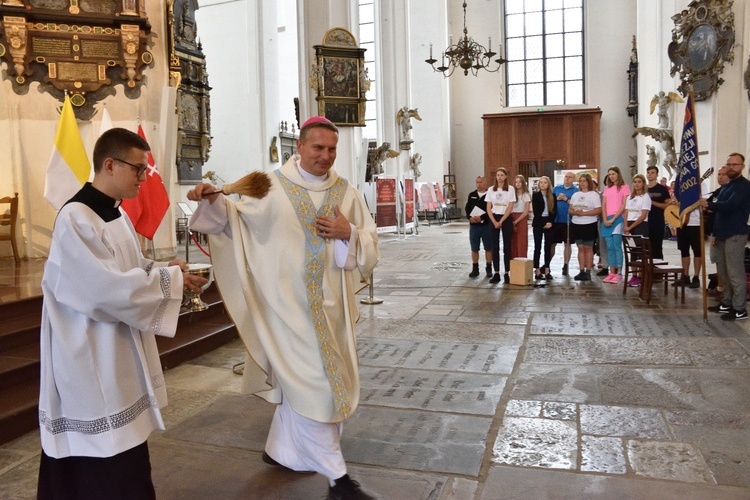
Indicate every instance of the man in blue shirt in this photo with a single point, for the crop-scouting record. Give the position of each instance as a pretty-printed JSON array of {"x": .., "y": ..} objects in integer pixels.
[
  {"x": 563, "y": 194},
  {"x": 732, "y": 209}
]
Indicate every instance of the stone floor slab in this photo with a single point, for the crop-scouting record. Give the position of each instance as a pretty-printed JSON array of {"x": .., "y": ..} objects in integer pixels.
[
  {"x": 672, "y": 389},
  {"x": 472, "y": 393},
  {"x": 416, "y": 440},
  {"x": 603, "y": 454},
  {"x": 229, "y": 421},
  {"x": 623, "y": 422},
  {"x": 511, "y": 483},
  {"x": 455, "y": 356},
  {"x": 665, "y": 460},
  {"x": 536, "y": 442},
  {"x": 597, "y": 324},
  {"x": 716, "y": 352},
  {"x": 191, "y": 471}
]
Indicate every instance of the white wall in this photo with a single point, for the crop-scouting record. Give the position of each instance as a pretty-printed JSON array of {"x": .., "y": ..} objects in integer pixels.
[
  {"x": 243, "y": 73},
  {"x": 429, "y": 90},
  {"x": 607, "y": 79},
  {"x": 472, "y": 96}
]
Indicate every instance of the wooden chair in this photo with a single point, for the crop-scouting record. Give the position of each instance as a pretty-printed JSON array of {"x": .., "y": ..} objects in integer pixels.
[
  {"x": 9, "y": 218},
  {"x": 634, "y": 261},
  {"x": 660, "y": 272}
]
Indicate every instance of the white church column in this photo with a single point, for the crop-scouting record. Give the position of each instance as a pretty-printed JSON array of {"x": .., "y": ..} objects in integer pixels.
[
  {"x": 242, "y": 65},
  {"x": 316, "y": 17}
]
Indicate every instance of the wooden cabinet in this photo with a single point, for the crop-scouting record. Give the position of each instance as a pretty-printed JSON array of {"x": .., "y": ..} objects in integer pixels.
[{"x": 538, "y": 143}]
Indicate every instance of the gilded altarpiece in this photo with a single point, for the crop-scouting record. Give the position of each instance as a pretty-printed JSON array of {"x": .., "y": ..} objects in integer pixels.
[
  {"x": 188, "y": 73},
  {"x": 82, "y": 47}
]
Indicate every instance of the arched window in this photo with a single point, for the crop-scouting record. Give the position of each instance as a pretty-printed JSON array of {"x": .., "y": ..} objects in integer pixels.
[{"x": 544, "y": 48}]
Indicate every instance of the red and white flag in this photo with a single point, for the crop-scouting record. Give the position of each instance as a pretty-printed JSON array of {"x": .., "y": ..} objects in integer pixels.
[{"x": 147, "y": 210}]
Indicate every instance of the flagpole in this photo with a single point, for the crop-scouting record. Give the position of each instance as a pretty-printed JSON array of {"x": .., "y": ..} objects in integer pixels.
[{"x": 700, "y": 213}]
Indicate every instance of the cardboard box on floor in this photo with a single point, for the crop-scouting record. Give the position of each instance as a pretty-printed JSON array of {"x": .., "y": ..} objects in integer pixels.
[{"x": 521, "y": 271}]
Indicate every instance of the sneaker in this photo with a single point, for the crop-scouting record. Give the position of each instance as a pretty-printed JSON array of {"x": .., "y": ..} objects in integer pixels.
[
  {"x": 488, "y": 270},
  {"x": 347, "y": 488},
  {"x": 632, "y": 280},
  {"x": 734, "y": 315},
  {"x": 474, "y": 272},
  {"x": 603, "y": 272},
  {"x": 617, "y": 279},
  {"x": 609, "y": 278},
  {"x": 506, "y": 279},
  {"x": 586, "y": 276},
  {"x": 495, "y": 278},
  {"x": 695, "y": 283},
  {"x": 565, "y": 270},
  {"x": 720, "y": 308},
  {"x": 580, "y": 275}
]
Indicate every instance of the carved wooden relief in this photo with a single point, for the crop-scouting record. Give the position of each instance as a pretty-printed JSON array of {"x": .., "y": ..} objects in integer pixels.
[
  {"x": 188, "y": 73},
  {"x": 83, "y": 47}
]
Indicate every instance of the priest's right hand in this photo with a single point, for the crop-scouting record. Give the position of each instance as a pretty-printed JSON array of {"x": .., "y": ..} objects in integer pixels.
[{"x": 198, "y": 192}]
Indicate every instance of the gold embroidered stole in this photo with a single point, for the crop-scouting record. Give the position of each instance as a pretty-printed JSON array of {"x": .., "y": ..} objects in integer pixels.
[{"x": 314, "y": 264}]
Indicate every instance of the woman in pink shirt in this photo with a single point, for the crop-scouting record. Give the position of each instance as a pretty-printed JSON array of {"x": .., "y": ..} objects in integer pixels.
[{"x": 613, "y": 206}]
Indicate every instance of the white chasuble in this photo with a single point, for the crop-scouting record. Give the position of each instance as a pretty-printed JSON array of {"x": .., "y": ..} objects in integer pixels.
[
  {"x": 294, "y": 307},
  {"x": 101, "y": 378}
]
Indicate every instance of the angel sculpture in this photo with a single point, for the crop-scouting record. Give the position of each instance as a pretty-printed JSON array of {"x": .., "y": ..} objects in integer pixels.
[
  {"x": 664, "y": 137},
  {"x": 404, "y": 117},
  {"x": 650, "y": 156},
  {"x": 663, "y": 99},
  {"x": 379, "y": 156},
  {"x": 414, "y": 162}
]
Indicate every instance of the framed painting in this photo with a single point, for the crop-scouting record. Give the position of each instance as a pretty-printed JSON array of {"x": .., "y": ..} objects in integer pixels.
[{"x": 340, "y": 78}]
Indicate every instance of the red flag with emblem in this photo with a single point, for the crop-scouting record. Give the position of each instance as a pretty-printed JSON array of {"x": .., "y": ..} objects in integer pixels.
[{"x": 147, "y": 210}]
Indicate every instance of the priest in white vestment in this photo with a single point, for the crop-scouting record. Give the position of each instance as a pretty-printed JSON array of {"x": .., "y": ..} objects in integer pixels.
[
  {"x": 285, "y": 266},
  {"x": 101, "y": 380}
]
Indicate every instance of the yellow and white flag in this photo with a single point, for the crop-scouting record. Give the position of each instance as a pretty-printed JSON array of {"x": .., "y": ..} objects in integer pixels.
[{"x": 69, "y": 166}]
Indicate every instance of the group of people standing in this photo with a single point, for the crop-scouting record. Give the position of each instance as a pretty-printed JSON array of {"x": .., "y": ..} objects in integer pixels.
[{"x": 596, "y": 221}]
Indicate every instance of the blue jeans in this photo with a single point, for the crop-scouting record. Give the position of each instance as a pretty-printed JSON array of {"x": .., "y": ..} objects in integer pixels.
[{"x": 614, "y": 251}]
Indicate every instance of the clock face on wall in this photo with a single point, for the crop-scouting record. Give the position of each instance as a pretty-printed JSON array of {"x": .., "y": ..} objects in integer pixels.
[{"x": 702, "y": 47}]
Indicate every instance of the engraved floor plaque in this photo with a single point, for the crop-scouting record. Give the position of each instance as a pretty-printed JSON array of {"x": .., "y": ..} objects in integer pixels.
[
  {"x": 476, "y": 394},
  {"x": 423, "y": 441},
  {"x": 446, "y": 356},
  {"x": 620, "y": 324}
]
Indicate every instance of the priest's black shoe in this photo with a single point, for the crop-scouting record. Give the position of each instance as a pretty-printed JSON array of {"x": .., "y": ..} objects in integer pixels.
[
  {"x": 270, "y": 461},
  {"x": 347, "y": 488}
]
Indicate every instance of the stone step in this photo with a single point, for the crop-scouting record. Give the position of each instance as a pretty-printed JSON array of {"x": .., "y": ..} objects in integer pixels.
[{"x": 197, "y": 334}]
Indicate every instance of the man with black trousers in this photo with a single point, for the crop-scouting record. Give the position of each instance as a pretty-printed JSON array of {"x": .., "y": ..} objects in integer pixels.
[
  {"x": 660, "y": 200},
  {"x": 479, "y": 228}
]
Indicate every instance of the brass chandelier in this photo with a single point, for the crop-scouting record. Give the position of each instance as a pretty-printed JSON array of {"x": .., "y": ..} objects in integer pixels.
[{"x": 467, "y": 55}]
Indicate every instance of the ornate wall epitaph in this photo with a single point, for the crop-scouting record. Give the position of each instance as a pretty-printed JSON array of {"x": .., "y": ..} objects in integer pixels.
[
  {"x": 188, "y": 73},
  {"x": 83, "y": 47},
  {"x": 702, "y": 41}
]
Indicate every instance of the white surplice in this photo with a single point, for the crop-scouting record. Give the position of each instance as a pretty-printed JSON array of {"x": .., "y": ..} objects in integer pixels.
[{"x": 101, "y": 379}]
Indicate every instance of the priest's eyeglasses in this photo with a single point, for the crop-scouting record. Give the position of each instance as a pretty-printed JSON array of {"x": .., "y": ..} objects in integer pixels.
[{"x": 139, "y": 169}]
